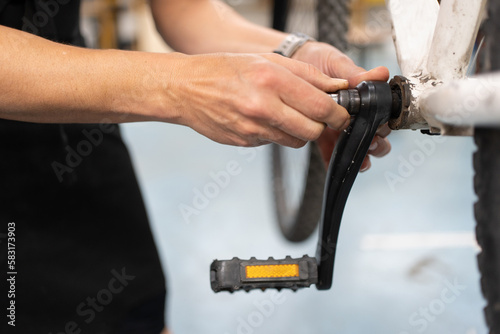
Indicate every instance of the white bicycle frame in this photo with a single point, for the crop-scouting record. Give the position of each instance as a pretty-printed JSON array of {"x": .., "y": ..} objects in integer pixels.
[{"x": 434, "y": 44}]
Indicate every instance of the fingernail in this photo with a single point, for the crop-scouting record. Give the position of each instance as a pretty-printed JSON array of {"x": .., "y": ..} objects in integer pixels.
[
  {"x": 373, "y": 146},
  {"x": 343, "y": 82}
]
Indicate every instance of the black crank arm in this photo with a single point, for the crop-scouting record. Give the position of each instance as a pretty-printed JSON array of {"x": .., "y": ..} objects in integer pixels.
[{"x": 372, "y": 104}]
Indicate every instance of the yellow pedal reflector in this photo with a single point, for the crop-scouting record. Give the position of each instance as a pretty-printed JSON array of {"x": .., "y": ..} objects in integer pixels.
[
  {"x": 272, "y": 271},
  {"x": 236, "y": 274}
]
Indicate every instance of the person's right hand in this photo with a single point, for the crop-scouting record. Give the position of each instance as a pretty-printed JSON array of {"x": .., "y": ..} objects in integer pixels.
[{"x": 250, "y": 100}]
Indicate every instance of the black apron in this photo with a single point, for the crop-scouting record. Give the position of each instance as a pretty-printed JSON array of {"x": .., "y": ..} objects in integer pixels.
[{"x": 84, "y": 253}]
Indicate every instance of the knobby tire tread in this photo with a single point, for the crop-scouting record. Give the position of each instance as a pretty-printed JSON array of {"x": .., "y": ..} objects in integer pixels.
[
  {"x": 333, "y": 22},
  {"x": 487, "y": 214},
  {"x": 487, "y": 180}
]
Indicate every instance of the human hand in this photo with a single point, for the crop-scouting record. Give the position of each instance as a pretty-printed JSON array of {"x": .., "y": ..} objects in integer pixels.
[
  {"x": 250, "y": 100},
  {"x": 337, "y": 65}
]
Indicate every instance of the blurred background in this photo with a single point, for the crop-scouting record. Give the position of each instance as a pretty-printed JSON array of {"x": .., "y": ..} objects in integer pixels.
[{"x": 406, "y": 260}]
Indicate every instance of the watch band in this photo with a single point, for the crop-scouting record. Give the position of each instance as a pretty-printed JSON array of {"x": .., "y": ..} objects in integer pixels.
[{"x": 292, "y": 43}]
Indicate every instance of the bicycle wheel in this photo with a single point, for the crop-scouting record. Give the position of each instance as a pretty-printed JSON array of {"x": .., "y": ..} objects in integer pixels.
[
  {"x": 333, "y": 22},
  {"x": 299, "y": 175},
  {"x": 487, "y": 213},
  {"x": 298, "y": 180},
  {"x": 487, "y": 185}
]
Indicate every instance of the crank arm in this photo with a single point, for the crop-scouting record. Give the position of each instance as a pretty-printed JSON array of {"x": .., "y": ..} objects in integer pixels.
[
  {"x": 376, "y": 104},
  {"x": 371, "y": 104}
]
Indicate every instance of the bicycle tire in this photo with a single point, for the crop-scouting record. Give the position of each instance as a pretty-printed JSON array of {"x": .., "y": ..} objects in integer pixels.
[
  {"x": 328, "y": 23},
  {"x": 487, "y": 214},
  {"x": 487, "y": 182},
  {"x": 297, "y": 223},
  {"x": 333, "y": 22}
]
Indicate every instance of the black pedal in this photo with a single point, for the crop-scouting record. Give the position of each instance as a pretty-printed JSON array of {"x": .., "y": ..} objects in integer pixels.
[{"x": 233, "y": 275}]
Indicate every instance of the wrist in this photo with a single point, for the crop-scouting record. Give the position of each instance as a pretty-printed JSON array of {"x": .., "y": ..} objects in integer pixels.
[
  {"x": 305, "y": 51},
  {"x": 145, "y": 87},
  {"x": 292, "y": 43}
]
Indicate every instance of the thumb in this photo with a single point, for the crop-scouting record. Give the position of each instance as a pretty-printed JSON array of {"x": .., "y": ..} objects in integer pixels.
[{"x": 380, "y": 73}]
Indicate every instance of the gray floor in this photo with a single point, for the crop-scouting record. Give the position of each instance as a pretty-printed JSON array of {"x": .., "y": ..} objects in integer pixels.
[{"x": 406, "y": 259}]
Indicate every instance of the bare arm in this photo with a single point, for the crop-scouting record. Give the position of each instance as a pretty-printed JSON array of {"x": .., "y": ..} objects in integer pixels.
[
  {"x": 233, "y": 99},
  {"x": 43, "y": 81},
  {"x": 206, "y": 26}
]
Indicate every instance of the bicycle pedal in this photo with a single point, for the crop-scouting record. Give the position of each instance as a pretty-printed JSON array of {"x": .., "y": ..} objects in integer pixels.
[{"x": 236, "y": 274}]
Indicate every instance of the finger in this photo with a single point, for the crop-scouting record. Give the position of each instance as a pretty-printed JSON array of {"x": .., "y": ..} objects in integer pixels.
[
  {"x": 379, "y": 147},
  {"x": 365, "y": 165},
  {"x": 310, "y": 74},
  {"x": 342, "y": 66},
  {"x": 297, "y": 124},
  {"x": 313, "y": 103},
  {"x": 380, "y": 73},
  {"x": 316, "y": 105},
  {"x": 281, "y": 138},
  {"x": 326, "y": 143},
  {"x": 291, "y": 121},
  {"x": 256, "y": 134},
  {"x": 384, "y": 130}
]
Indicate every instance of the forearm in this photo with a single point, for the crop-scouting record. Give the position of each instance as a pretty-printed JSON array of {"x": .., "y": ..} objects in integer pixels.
[
  {"x": 44, "y": 81},
  {"x": 207, "y": 26},
  {"x": 237, "y": 99}
]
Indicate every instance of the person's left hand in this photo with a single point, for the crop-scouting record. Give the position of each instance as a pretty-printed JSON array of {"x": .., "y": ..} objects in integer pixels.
[{"x": 337, "y": 65}]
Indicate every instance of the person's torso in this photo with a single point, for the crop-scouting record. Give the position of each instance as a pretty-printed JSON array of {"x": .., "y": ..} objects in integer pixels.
[{"x": 57, "y": 20}]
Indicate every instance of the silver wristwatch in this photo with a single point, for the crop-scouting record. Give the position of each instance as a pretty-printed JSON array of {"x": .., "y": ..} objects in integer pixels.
[{"x": 292, "y": 43}]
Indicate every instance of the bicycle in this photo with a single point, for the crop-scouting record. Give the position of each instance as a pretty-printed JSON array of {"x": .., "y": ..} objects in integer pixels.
[{"x": 415, "y": 101}]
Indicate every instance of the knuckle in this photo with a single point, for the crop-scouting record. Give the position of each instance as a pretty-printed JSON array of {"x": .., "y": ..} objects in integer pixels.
[
  {"x": 322, "y": 107},
  {"x": 340, "y": 120},
  {"x": 265, "y": 77},
  {"x": 343, "y": 117},
  {"x": 289, "y": 141},
  {"x": 254, "y": 108},
  {"x": 246, "y": 143},
  {"x": 238, "y": 140},
  {"x": 316, "y": 132},
  {"x": 312, "y": 70},
  {"x": 249, "y": 131},
  {"x": 312, "y": 133},
  {"x": 298, "y": 143},
  {"x": 276, "y": 120},
  {"x": 264, "y": 72}
]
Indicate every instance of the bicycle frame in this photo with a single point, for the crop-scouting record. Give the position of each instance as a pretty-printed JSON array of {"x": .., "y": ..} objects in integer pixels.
[{"x": 433, "y": 56}]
